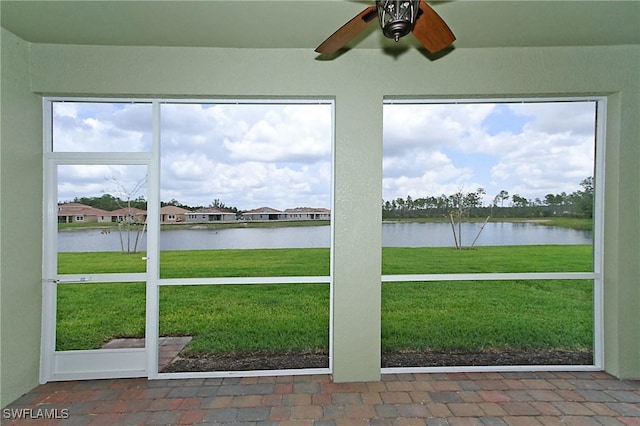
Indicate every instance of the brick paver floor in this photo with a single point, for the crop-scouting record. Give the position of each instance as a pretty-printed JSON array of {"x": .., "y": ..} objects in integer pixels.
[{"x": 518, "y": 399}]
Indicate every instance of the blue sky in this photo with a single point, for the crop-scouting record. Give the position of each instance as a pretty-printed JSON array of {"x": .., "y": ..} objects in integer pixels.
[
  {"x": 503, "y": 119},
  {"x": 527, "y": 149},
  {"x": 279, "y": 155}
]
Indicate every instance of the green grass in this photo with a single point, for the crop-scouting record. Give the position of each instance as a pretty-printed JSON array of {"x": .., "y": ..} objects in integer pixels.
[
  {"x": 573, "y": 223},
  {"x": 89, "y": 315},
  {"x": 496, "y": 259},
  {"x": 101, "y": 262},
  {"x": 315, "y": 261},
  {"x": 240, "y": 318},
  {"x": 485, "y": 315},
  {"x": 549, "y": 314},
  {"x": 244, "y": 263}
]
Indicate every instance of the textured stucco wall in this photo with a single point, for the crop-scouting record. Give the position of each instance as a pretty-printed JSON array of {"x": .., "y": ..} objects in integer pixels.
[
  {"x": 359, "y": 81},
  {"x": 20, "y": 223}
]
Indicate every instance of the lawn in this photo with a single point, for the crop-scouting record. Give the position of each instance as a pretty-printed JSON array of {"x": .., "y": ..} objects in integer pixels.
[
  {"x": 480, "y": 315},
  {"x": 315, "y": 261}
]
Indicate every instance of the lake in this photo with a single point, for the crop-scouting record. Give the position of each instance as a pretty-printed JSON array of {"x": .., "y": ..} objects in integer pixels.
[{"x": 393, "y": 235}]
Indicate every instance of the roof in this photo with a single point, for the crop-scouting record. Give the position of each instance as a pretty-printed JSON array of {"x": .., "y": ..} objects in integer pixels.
[
  {"x": 173, "y": 210},
  {"x": 70, "y": 209},
  {"x": 259, "y": 210},
  {"x": 308, "y": 210},
  {"x": 214, "y": 210},
  {"x": 125, "y": 210}
]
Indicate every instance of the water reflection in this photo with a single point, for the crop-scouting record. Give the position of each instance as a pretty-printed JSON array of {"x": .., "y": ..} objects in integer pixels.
[{"x": 393, "y": 235}]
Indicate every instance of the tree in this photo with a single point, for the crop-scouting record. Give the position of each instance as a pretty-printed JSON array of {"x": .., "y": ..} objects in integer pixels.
[
  {"x": 105, "y": 202},
  {"x": 583, "y": 200},
  {"x": 129, "y": 221},
  {"x": 474, "y": 199},
  {"x": 554, "y": 201},
  {"x": 480, "y": 192},
  {"x": 174, "y": 202},
  {"x": 519, "y": 201},
  {"x": 463, "y": 203},
  {"x": 500, "y": 198},
  {"x": 409, "y": 203}
]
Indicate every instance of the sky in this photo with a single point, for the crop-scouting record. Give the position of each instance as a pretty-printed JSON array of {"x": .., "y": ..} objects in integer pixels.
[
  {"x": 530, "y": 149},
  {"x": 279, "y": 155}
]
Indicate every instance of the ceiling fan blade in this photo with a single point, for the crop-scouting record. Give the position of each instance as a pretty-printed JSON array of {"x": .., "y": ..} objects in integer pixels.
[
  {"x": 431, "y": 30},
  {"x": 348, "y": 31}
]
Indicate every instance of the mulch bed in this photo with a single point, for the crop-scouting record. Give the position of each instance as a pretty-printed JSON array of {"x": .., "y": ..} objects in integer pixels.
[
  {"x": 491, "y": 358},
  {"x": 279, "y": 361},
  {"x": 248, "y": 361}
]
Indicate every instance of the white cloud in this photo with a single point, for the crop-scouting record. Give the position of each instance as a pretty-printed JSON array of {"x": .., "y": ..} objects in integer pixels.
[
  {"x": 255, "y": 184},
  {"x": 279, "y": 155},
  {"x": 97, "y": 180},
  {"x": 436, "y": 149},
  {"x": 290, "y": 134},
  {"x": 430, "y": 126},
  {"x": 578, "y": 118},
  {"x": 247, "y": 156},
  {"x": 101, "y": 127}
]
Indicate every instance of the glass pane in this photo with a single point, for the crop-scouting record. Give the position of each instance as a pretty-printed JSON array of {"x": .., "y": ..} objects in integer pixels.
[
  {"x": 543, "y": 322},
  {"x": 100, "y": 316},
  {"x": 102, "y": 218},
  {"x": 101, "y": 127},
  {"x": 244, "y": 327},
  {"x": 513, "y": 183},
  {"x": 245, "y": 190}
]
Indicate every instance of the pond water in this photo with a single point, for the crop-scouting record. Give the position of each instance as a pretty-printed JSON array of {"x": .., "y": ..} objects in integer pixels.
[{"x": 393, "y": 235}]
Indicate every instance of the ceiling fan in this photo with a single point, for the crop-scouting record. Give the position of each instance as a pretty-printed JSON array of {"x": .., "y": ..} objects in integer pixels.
[{"x": 397, "y": 18}]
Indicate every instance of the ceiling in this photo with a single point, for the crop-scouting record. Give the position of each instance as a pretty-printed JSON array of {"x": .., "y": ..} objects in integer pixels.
[{"x": 305, "y": 24}]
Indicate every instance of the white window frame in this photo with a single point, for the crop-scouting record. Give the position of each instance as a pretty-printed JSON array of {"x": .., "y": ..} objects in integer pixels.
[
  {"x": 598, "y": 228},
  {"x": 118, "y": 363}
]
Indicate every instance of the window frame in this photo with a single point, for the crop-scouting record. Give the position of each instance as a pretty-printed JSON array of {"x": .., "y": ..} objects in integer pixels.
[
  {"x": 598, "y": 240},
  {"x": 146, "y": 360}
]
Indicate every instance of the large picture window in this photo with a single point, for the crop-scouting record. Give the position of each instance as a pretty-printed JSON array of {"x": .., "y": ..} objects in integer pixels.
[
  {"x": 186, "y": 237},
  {"x": 491, "y": 233},
  {"x": 249, "y": 188},
  {"x": 248, "y": 182}
]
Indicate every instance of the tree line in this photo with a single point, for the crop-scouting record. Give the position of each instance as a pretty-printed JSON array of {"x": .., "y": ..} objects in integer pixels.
[
  {"x": 470, "y": 204},
  {"x": 577, "y": 204},
  {"x": 110, "y": 202}
]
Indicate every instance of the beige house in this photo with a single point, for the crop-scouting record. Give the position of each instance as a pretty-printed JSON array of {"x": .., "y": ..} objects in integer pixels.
[
  {"x": 78, "y": 212},
  {"x": 210, "y": 214},
  {"x": 173, "y": 214},
  {"x": 129, "y": 214},
  {"x": 308, "y": 213},
  {"x": 264, "y": 213}
]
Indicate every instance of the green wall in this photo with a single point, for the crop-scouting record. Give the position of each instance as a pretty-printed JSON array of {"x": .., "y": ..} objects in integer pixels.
[
  {"x": 20, "y": 223},
  {"x": 359, "y": 81}
]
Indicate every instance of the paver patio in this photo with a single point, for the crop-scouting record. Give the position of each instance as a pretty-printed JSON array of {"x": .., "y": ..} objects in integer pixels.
[{"x": 515, "y": 398}]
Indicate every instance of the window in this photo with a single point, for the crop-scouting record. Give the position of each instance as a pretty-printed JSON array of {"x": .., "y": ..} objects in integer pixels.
[
  {"x": 239, "y": 173},
  {"x": 187, "y": 207},
  {"x": 491, "y": 233},
  {"x": 105, "y": 126}
]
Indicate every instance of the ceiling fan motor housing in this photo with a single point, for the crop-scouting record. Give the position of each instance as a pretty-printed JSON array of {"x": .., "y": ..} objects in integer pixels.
[{"x": 397, "y": 17}]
